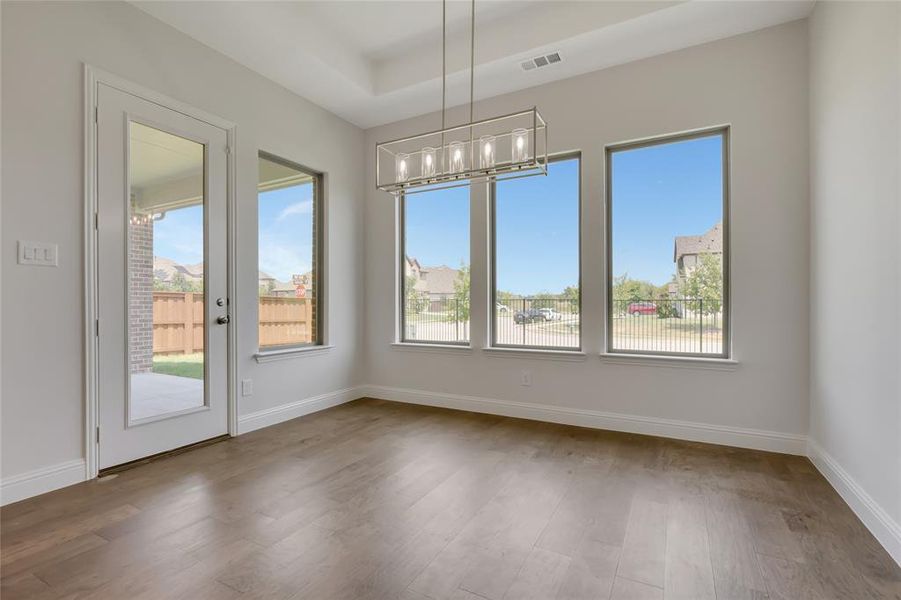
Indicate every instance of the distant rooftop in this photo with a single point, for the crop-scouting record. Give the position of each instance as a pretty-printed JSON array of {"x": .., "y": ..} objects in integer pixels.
[{"x": 710, "y": 242}]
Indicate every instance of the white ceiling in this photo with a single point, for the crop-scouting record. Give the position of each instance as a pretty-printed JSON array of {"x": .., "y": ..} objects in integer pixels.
[{"x": 378, "y": 61}]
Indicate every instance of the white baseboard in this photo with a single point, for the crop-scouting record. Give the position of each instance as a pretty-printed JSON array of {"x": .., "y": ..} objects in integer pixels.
[
  {"x": 683, "y": 430},
  {"x": 292, "y": 410},
  {"x": 41, "y": 481},
  {"x": 876, "y": 519}
]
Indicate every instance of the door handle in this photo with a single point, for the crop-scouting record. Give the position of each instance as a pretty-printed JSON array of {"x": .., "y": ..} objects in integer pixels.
[{"x": 223, "y": 320}]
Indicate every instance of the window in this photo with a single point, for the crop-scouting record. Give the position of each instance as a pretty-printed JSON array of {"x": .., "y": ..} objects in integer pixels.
[
  {"x": 434, "y": 270},
  {"x": 668, "y": 246},
  {"x": 290, "y": 254},
  {"x": 536, "y": 296}
]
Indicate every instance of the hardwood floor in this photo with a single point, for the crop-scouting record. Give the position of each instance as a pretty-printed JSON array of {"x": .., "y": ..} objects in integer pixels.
[{"x": 389, "y": 501}]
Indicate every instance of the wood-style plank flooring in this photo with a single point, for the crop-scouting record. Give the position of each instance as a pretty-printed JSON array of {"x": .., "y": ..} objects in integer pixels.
[{"x": 378, "y": 500}]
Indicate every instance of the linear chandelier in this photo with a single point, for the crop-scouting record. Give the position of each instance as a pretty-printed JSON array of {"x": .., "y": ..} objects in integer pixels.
[{"x": 505, "y": 147}]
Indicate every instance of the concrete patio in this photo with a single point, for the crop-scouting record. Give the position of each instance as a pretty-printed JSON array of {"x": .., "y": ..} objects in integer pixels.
[{"x": 154, "y": 394}]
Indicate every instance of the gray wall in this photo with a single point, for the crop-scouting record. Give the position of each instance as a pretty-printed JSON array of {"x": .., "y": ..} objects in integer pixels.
[
  {"x": 855, "y": 127},
  {"x": 756, "y": 82},
  {"x": 43, "y": 47}
]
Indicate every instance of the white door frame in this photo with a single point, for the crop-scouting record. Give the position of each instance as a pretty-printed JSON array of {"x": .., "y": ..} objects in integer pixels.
[{"x": 92, "y": 78}]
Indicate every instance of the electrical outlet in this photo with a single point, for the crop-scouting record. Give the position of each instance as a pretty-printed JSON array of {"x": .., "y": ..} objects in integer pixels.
[
  {"x": 525, "y": 378},
  {"x": 247, "y": 387}
]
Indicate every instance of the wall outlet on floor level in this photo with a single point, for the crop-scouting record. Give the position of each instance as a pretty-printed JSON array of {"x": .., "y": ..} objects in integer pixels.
[
  {"x": 525, "y": 378},
  {"x": 247, "y": 387}
]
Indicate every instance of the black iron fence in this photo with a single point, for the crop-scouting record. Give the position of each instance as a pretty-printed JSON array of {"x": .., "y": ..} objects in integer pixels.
[
  {"x": 670, "y": 325},
  {"x": 444, "y": 320},
  {"x": 537, "y": 322}
]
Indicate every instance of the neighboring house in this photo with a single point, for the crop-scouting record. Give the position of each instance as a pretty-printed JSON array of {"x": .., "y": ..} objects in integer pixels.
[
  {"x": 284, "y": 289},
  {"x": 688, "y": 249},
  {"x": 165, "y": 270},
  {"x": 434, "y": 283},
  {"x": 267, "y": 281},
  {"x": 412, "y": 268}
]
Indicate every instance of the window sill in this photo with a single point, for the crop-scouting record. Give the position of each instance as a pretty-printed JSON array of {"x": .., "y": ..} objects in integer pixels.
[
  {"x": 433, "y": 348},
  {"x": 558, "y": 355},
  {"x": 272, "y": 355},
  {"x": 678, "y": 362}
]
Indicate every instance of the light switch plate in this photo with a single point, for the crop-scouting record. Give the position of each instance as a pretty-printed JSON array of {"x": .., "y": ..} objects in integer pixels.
[
  {"x": 41, "y": 254},
  {"x": 247, "y": 387}
]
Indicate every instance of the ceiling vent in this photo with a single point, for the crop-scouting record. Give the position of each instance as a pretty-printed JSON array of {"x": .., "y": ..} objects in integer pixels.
[{"x": 540, "y": 61}]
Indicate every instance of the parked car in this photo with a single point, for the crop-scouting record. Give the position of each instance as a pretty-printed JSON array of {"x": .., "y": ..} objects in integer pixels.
[
  {"x": 502, "y": 308},
  {"x": 529, "y": 315},
  {"x": 642, "y": 308},
  {"x": 550, "y": 314}
]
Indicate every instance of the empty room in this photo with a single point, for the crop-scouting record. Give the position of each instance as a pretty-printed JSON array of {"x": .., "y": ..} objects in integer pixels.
[{"x": 450, "y": 300}]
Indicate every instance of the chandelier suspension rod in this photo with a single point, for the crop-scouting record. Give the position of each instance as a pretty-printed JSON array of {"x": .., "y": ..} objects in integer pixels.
[
  {"x": 447, "y": 166},
  {"x": 472, "y": 58},
  {"x": 444, "y": 163}
]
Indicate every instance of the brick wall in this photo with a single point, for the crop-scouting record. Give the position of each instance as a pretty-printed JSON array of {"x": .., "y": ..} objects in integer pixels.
[
  {"x": 313, "y": 293},
  {"x": 140, "y": 297}
]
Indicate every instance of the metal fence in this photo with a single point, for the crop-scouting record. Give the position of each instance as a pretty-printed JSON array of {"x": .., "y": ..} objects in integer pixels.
[
  {"x": 444, "y": 320},
  {"x": 537, "y": 322},
  {"x": 672, "y": 326},
  {"x": 669, "y": 325}
]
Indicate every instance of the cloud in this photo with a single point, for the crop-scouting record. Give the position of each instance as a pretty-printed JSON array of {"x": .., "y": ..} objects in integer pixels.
[
  {"x": 283, "y": 260},
  {"x": 298, "y": 208}
]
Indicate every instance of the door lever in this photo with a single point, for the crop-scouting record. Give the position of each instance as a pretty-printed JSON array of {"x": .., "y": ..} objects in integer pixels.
[{"x": 223, "y": 320}]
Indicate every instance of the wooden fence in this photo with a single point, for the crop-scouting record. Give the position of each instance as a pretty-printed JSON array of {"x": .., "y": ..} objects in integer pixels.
[{"x": 178, "y": 322}]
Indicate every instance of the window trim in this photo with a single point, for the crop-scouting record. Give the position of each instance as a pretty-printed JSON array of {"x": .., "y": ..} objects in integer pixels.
[
  {"x": 724, "y": 131},
  {"x": 492, "y": 265},
  {"x": 400, "y": 338},
  {"x": 264, "y": 354}
]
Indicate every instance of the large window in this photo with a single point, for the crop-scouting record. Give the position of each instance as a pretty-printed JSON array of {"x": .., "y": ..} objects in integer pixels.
[
  {"x": 536, "y": 301},
  {"x": 434, "y": 267},
  {"x": 290, "y": 256},
  {"x": 667, "y": 246}
]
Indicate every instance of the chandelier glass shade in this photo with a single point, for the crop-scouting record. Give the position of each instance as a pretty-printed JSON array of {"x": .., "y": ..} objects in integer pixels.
[{"x": 504, "y": 147}]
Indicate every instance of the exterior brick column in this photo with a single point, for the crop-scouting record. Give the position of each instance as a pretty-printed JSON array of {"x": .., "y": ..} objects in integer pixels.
[{"x": 140, "y": 297}]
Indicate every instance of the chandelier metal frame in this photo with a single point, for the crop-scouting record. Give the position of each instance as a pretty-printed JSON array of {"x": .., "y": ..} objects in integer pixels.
[{"x": 509, "y": 146}]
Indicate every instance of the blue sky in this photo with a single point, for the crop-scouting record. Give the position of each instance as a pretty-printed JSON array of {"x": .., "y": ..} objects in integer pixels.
[
  {"x": 285, "y": 229},
  {"x": 179, "y": 235},
  {"x": 537, "y": 239},
  {"x": 437, "y": 227},
  {"x": 660, "y": 192}
]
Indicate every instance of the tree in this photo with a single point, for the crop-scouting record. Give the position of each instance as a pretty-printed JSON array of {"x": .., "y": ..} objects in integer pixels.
[
  {"x": 461, "y": 294},
  {"x": 705, "y": 283},
  {"x": 267, "y": 288},
  {"x": 544, "y": 300},
  {"x": 506, "y": 297},
  {"x": 627, "y": 290},
  {"x": 571, "y": 295},
  {"x": 413, "y": 300}
]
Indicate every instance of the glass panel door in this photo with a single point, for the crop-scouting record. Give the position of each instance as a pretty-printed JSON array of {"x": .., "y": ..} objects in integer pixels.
[
  {"x": 165, "y": 273},
  {"x": 162, "y": 278}
]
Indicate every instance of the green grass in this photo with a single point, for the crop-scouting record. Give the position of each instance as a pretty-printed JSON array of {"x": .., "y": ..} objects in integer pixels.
[
  {"x": 688, "y": 327},
  {"x": 180, "y": 365}
]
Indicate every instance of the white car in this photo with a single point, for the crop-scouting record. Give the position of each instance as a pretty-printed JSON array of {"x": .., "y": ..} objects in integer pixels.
[
  {"x": 550, "y": 314},
  {"x": 502, "y": 308}
]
